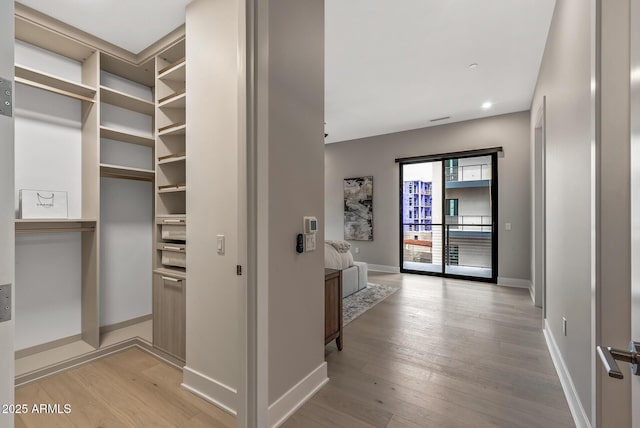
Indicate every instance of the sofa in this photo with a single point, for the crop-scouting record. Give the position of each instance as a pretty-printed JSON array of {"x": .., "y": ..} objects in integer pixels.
[{"x": 354, "y": 274}]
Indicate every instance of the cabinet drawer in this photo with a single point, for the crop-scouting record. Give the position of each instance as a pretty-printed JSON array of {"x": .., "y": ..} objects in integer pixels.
[
  {"x": 169, "y": 314},
  {"x": 173, "y": 229},
  {"x": 173, "y": 254}
]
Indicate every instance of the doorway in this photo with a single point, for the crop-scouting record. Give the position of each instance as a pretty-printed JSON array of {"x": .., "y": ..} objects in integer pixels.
[{"x": 448, "y": 213}]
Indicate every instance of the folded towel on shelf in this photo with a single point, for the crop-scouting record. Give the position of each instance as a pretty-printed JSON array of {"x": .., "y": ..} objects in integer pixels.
[{"x": 340, "y": 246}]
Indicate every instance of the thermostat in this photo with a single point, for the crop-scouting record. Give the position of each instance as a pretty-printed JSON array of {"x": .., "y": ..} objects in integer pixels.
[{"x": 310, "y": 225}]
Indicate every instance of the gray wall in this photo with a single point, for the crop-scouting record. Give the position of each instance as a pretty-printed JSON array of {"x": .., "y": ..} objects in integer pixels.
[
  {"x": 375, "y": 156},
  {"x": 7, "y": 234},
  {"x": 296, "y": 186},
  {"x": 565, "y": 80}
]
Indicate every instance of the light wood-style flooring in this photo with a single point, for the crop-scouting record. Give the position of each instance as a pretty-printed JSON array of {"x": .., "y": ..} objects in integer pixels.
[
  {"x": 127, "y": 389},
  {"x": 441, "y": 353}
]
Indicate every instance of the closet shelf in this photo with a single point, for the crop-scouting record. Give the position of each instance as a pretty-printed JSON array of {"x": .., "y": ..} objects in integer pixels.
[
  {"x": 51, "y": 83},
  {"x": 177, "y": 100},
  {"x": 172, "y": 188},
  {"x": 173, "y": 129},
  {"x": 54, "y": 225},
  {"x": 172, "y": 159},
  {"x": 173, "y": 71},
  {"x": 127, "y": 173},
  {"x": 127, "y": 137},
  {"x": 126, "y": 101}
]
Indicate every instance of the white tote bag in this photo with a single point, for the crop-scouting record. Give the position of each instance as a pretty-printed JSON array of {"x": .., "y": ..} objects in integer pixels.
[{"x": 43, "y": 204}]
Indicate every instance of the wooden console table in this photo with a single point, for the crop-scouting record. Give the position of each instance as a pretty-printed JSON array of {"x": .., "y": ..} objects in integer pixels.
[{"x": 333, "y": 307}]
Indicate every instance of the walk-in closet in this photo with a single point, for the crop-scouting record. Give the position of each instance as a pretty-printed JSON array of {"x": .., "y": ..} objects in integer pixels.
[{"x": 104, "y": 134}]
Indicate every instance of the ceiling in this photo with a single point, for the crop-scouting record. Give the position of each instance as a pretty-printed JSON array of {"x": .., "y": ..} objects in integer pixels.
[
  {"x": 395, "y": 65},
  {"x": 129, "y": 24},
  {"x": 390, "y": 65}
]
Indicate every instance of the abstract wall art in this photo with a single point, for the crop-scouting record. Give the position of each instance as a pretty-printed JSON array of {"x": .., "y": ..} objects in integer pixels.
[{"x": 358, "y": 209}]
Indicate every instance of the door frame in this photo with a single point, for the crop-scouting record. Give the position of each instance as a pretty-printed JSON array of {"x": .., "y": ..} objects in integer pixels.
[
  {"x": 540, "y": 204},
  {"x": 493, "y": 152},
  {"x": 7, "y": 214}
]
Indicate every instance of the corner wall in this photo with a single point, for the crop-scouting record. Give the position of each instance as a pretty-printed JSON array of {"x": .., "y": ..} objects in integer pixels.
[
  {"x": 7, "y": 215},
  {"x": 295, "y": 179},
  {"x": 565, "y": 80},
  {"x": 375, "y": 156}
]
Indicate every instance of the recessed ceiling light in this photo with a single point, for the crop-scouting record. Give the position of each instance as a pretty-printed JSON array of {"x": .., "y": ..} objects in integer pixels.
[
  {"x": 473, "y": 65},
  {"x": 487, "y": 105}
]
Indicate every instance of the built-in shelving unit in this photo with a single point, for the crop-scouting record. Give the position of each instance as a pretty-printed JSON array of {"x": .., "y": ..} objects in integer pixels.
[
  {"x": 169, "y": 284},
  {"x": 101, "y": 81},
  {"x": 115, "y": 171},
  {"x": 54, "y": 225},
  {"x": 126, "y": 137},
  {"x": 179, "y": 128},
  {"x": 51, "y": 83},
  {"x": 126, "y": 101}
]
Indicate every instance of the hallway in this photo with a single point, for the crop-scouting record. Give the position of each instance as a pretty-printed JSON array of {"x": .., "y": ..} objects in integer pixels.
[{"x": 441, "y": 353}]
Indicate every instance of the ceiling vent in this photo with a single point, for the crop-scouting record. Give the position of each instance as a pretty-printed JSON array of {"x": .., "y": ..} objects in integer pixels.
[{"x": 440, "y": 118}]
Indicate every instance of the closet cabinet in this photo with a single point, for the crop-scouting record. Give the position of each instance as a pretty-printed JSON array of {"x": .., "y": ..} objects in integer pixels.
[{"x": 169, "y": 316}]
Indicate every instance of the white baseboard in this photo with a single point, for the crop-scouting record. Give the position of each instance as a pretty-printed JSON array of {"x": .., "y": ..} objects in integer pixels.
[
  {"x": 575, "y": 405},
  {"x": 514, "y": 282},
  {"x": 532, "y": 293},
  {"x": 294, "y": 398},
  {"x": 383, "y": 268},
  {"x": 210, "y": 390}
]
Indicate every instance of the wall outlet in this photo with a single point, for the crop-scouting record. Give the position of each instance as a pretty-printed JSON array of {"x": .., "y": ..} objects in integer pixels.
[
  {"x": 507, "y": 226},
  {"x": 564, "y": 326},
  {"x": 357, "y": 250}
]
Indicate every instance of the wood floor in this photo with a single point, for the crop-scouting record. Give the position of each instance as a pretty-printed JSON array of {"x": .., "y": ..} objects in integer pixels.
[
  {"x": 128, "y": 389},
  {"x": 441, "y": 353}
]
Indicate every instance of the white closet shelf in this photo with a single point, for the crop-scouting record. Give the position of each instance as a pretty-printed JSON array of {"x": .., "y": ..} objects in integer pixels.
[
  {"x": 175, "y": 129},
  {"x": 127, "y": 137},
  {"x": 127, "y": 173},
  {"x": 173, "y": 71},
  {"x": 51, "y": 83},
  {"x": 126, "y": 101},
  {"x": 54, "y": 225},
  {"x": 177, "y": 100}
]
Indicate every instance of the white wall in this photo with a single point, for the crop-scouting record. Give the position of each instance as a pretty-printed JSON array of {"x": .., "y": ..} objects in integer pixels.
[
  {"x": 213, "y": 289},
  {"x": 375, "y": 156},
  {"x": 7, "y": 233},
  {"x": 126, "y": 240}
]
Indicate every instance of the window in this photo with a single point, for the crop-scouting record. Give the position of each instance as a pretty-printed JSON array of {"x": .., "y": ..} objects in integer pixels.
[{"x": 451, "y": 207}]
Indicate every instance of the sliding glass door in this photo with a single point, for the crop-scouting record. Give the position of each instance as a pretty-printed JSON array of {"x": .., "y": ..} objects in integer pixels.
[{"x": 448, "y": 214}]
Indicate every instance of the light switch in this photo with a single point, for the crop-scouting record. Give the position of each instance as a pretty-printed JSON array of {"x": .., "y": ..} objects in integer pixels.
[
  {"x": 220, "y": 243},
  {"x": 507, "y": 226},
  {"x": 310, "y": 242}
]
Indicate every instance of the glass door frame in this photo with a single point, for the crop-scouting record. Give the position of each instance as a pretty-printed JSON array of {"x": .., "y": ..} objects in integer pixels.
[{"x": 493, "y": 152}]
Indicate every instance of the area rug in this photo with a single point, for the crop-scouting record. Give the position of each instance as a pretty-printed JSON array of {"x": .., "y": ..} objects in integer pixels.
[{"x": 360, "y": 302}]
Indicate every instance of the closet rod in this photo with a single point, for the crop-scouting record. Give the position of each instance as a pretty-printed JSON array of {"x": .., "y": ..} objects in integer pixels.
[
  {"x": 54, "y": 90},
  {"x": 57, "y": 230}
]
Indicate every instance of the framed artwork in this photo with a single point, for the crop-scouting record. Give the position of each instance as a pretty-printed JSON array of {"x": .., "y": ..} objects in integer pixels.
[{"x": 358, "y": 209}]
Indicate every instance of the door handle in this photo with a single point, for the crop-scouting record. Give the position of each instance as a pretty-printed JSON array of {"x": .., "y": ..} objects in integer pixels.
[{"x": 609, "y": 357}]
